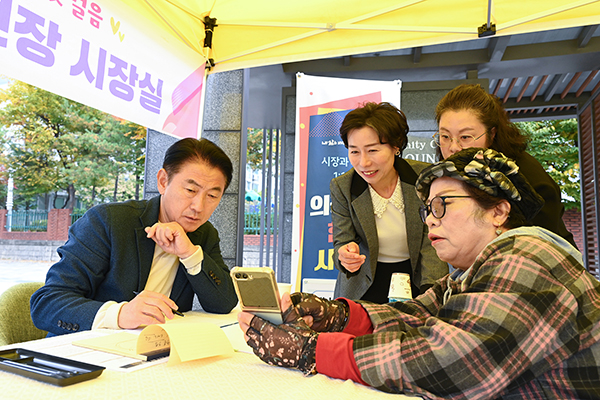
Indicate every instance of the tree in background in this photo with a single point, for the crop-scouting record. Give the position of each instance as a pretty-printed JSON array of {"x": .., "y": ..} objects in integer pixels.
[
  {"x": 255, "y": 151},
  {"x": 254, "y": 154},
  {"x": 115, "y": 172},
  {"x": 55, "y": 144},
  {"x": 3, "y": 170},
  {"x": 554, "y": 145},
  {"x": 254, "y": 148}
]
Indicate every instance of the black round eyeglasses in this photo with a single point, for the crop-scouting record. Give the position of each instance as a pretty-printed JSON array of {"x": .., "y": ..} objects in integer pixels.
[{"x": 437, "y": 207}]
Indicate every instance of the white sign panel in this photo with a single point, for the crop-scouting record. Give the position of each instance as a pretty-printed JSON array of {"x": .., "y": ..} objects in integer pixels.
[
  {"x": 321, "y": 105},
  {"x": 103, "y": 55}
]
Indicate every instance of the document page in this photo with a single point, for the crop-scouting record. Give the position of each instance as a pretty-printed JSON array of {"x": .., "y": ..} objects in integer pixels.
[
  {"x": 186, "y": 341},
  {"x": 122, "y": 343}
]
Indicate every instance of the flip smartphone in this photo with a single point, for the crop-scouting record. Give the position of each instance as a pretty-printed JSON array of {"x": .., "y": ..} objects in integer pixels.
[{"x": 257, "y": 291}]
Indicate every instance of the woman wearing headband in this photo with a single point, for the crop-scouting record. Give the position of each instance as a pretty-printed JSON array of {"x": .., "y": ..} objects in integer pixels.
[
  {"x": 519, "y": 318},
  {"x": 468, "y": 116}
]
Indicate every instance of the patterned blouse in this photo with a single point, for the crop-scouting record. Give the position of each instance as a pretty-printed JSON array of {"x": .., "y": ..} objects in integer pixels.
[{"x": 522, "y": 323}]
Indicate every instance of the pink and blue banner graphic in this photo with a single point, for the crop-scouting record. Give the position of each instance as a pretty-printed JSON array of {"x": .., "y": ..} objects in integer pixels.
[
  {"x": 328, "y": 159},
  {"x": 101, "y": 54},
  {"x": 322, "y": 104}
]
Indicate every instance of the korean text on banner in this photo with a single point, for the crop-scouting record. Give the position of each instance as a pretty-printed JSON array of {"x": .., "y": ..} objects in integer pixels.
[
  {"x": 100, "y": 53},
  {"x": 322, "y": 103}
]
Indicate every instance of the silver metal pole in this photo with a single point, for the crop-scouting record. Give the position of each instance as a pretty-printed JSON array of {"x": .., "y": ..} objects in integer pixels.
[{"x": 9, "y": 204}]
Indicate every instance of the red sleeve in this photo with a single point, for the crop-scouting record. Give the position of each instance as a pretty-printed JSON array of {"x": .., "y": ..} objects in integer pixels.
[
  {"x": 359, "y": 323},
  {"x": 335, "y": 358},
  {"x": 334, "y": 355}
]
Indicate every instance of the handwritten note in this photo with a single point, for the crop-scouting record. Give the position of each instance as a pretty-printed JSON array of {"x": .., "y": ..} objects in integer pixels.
[
  {"x": 122, "y": 343},
  {"x": 186, "y": 341}
]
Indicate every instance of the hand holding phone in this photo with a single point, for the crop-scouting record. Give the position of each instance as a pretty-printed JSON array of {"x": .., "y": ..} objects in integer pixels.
[{"x": 257, "y": 291}]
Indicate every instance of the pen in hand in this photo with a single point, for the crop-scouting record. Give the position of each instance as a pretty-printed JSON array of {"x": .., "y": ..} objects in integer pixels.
[
  {"x": 174, "y": 311},
  {"x": 226, "y": 325}
]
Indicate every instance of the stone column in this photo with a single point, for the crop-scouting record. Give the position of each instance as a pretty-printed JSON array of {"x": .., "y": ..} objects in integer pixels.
[
  {"x": 223, "y": 109},
  {"x": 222, "y": 124}
]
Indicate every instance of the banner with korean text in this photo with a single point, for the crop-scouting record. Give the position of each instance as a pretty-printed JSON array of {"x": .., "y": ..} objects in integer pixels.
[
  {"x": 321, "y": 105},
  {"x": 98, "y": 52}
]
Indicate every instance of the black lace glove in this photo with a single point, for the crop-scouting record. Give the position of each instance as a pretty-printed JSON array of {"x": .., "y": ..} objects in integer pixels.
[
  {"x": 292, "y": 344},
  {"x": 328, "y": 315}
]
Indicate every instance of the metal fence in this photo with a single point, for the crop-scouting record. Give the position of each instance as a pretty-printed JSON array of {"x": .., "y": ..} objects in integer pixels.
[
  {"x": 37, "y": 220},
  {"x": 32, "y": 220},
  {"x": 76, "y": 215},
  {"x": 252, "y": 217},
  {"x": 27, "y": 221}
]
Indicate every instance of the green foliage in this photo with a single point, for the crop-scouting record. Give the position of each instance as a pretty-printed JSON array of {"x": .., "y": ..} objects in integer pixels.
[
  {"x": 3, "y": 168},
  {"x": 53, "y": 144},
  {"x": 118, "y": 157},
  {"x": 254, "y": 148},
  {"x": 254, "y": 154},
  {"x": 554, "y": 145},
  {"x": 252, "y": 221}
]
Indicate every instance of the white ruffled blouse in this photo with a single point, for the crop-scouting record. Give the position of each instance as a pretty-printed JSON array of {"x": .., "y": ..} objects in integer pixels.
[{"x": 391, "y": 225}]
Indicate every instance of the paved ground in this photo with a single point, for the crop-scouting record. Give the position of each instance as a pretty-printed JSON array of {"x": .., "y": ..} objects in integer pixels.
[{"x": 16, "y": 271}]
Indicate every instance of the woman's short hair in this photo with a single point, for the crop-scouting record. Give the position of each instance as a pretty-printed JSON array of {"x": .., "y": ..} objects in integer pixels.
[
  {"x": 388, "y": 121},
  {"x": 490, "y": 112},
  {"x": 190, "y": 149}
]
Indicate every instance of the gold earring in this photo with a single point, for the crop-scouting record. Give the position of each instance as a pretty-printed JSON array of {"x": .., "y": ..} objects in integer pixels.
[
  {"x": 498, "y": 231},
  {"x": 398, "y": 153}
]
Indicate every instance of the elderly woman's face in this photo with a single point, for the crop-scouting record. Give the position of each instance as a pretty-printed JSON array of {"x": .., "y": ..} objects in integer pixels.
[
  {"x": 373, "y": 161},
  {"x": 461, "y": 127},
  {"x": 464, "y": 230}
]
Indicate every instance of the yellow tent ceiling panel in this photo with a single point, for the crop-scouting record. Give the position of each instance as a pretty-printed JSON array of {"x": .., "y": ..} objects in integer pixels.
[{"x": 262, "y": 32}]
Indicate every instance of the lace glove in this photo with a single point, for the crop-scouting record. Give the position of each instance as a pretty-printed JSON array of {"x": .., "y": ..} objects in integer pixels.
[
  {"x": 328, "y": 315},
  {"x": 291, "y": 345}
]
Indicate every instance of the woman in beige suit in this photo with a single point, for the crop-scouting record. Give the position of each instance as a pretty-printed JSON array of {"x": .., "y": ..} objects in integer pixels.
[{"x": 376, "y": 226}]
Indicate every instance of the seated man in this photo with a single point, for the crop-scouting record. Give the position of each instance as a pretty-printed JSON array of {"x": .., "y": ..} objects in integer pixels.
[{"x": 133, "y": 263}]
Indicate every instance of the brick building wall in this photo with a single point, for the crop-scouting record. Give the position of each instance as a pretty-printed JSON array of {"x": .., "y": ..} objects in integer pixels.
[
  {"x": 59, "y": 221},
  {"x": 572, "y": 219},
  {"x": 35, "y": 246}
]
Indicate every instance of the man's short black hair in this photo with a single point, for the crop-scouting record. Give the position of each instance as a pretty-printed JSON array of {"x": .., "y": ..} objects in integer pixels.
[{"x": 190, "y": 149}]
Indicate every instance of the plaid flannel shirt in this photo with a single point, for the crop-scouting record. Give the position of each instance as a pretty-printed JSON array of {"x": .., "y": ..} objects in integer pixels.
[{"x": 524, "y": 323}]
